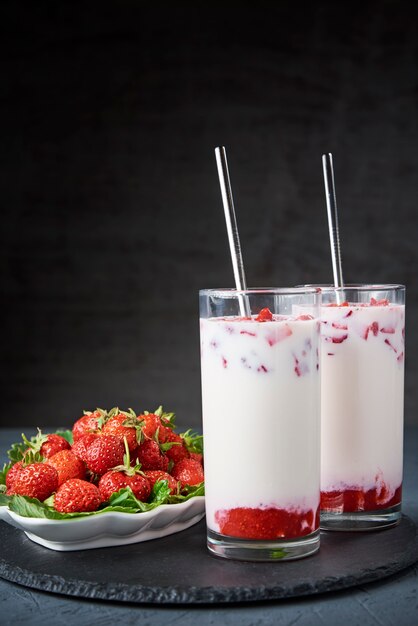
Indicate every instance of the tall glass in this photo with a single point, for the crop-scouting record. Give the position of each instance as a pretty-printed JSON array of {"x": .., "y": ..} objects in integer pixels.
[
  {"x": 362, "y": 392},
  {"x": 260, "y": 398}
]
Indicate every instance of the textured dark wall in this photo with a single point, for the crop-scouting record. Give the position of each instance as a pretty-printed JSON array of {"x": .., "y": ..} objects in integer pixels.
[{"x": 111, "y": 212}]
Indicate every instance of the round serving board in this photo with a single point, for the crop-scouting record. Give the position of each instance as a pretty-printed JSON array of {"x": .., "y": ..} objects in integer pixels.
[{"x": 178, "y": 569}]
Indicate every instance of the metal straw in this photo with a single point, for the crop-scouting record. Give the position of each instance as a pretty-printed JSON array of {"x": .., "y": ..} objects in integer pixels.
[
  {"x": 334, "y": 236},
  {"x": 232, "y": 229}
]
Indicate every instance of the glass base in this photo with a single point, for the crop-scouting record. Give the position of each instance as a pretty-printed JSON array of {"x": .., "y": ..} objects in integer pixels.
[
  {"x": 261, "y": 550},
  {"x": 361, "y": 520}
]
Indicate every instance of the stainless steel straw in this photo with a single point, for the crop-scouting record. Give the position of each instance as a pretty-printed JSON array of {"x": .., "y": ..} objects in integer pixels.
[{"x": 232, "y": 229}]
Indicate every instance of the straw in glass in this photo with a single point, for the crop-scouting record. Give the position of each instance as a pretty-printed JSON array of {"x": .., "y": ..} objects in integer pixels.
[
  {"x": 334, "y": 235},
  {"x": 232, "y": 230}
]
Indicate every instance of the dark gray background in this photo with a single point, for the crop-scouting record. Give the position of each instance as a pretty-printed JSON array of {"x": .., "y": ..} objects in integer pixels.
[{"x": 111, "y": 211}]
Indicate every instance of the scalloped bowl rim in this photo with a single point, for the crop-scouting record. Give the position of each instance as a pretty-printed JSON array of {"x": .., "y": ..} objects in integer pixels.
[{"x": 111, "y": 528}]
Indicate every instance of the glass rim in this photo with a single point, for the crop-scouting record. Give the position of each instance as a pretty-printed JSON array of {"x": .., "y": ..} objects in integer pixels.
[
  {"x": 281, "y": 291},
  {"x": 357, "y": 287}
]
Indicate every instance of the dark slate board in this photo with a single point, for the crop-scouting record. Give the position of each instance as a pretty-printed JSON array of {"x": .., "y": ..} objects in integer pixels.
[{"x": 179, "y": 570}]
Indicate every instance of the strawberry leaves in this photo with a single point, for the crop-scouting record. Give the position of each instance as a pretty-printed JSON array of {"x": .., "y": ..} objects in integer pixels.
[
  {"x": 3, "y": 474},
  {"x": 168, "y": 419},
  {"x": 193, "y": 441},
  {"x": 28, "y": 450},
  {"x": 122, "y": 501}
]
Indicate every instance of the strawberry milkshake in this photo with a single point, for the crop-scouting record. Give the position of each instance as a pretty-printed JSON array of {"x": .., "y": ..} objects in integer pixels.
[
  {"x": 362, "y": 389},
  {"x": 260, "y": 399}
]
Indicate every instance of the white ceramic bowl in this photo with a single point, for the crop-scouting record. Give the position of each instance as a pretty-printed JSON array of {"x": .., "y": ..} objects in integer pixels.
[{"x": 108, "y": 529}]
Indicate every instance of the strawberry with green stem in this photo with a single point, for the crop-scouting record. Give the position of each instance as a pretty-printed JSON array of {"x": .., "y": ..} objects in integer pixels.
[
  {"x": 124, "y": 424},
  {"x": 188, "y": 472},
  {"x": 157, "y": 475},
  {"x": 160, "y": 421},
  {"x": 193, "y": 442},
  {"x": 153, "y": 453},
  {"x": 90, "y": 422},
  {"x": 22, "y": 454},
  {"x": 123, "y": 476}
]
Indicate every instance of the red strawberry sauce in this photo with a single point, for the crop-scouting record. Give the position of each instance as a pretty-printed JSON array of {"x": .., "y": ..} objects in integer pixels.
[
  {"x": 356, "y": 500},
  {"x": 266, "y": 524}
]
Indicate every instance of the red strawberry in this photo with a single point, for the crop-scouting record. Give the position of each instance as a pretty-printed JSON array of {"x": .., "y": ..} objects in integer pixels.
[
  {"x": 124, "y": 425},
  {"x": 36, "y": 480},
  {"x": 154, "y": 475},
  {"x": 88, "y": 423},
  {"x": 197, "y": 456},
  {"x": 80, "y": 446},
  {"x": 152, "y": 425},
  {"x": 188, "y": 472},
  {"x": 178, "y": 451},
  {"x": 140, "y": 486},
  {"x": 68, "y": 465},
  {"x": 13, "y": 473},
  {"x": 110, "y": 483},
  {"x": 54, "y": 444},
  {"x": 151, "y": 457},
  {"x": 104, "y": 453},
  {"x": 125, "y": 476},
  {"x": 77, "y": 496}
]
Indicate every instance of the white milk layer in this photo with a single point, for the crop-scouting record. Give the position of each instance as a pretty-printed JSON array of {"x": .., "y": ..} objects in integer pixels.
[
  {"x": 260, "y": 398},
  {"x": 362, "y": 371}
]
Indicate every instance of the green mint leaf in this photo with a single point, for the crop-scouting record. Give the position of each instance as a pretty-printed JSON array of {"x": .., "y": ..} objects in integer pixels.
[
  {"x": 4, "y": 500},
  {"x": 160, "y": 492},
  {"x": 30, "y": 507}
]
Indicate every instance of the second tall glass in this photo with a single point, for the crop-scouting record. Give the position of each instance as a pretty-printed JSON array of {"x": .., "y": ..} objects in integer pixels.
[{"x": 362, "y": 392}]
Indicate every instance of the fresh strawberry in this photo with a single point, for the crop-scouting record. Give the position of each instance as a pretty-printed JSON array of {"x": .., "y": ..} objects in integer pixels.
[
  {"x": 110, "y": 483},
  {"x": 80, "y": 446},
  {"x": 197, "y": 456},
  {"x": 124, "y": 425},
  {"x": 36, "y": 480},
  {"x": 68, "y": 465},
  {"x": 140, "y": 486},
  {"x": 178, "y": 451},
  {"x": 151, "y": 425},
  {"x": 54, "y": 444},
  {"x": 188, "y": 472},
  {"x": 160, "y": 421},
  {"x": 125, "y": 476},
  {"x": 151, "y": 457},
  {"x": 12, "y": 474},
  {"x": 45, "y": 446},
  {"x": 90, "y": 422},
  {"x": 104, "y": 453},
  {"x": 155, "y": 475},
  {"x": 77, "y": 496}
]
